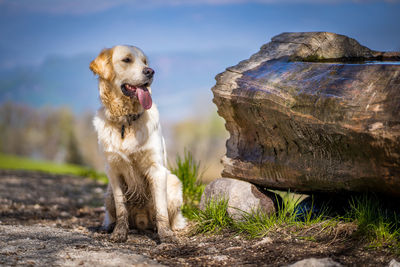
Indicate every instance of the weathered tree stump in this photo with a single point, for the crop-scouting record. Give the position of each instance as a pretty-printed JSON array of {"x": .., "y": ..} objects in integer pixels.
[{"x": 309, "y": 113}]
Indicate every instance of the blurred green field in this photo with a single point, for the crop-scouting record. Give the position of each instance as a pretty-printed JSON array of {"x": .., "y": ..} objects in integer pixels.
[{"x": 12, "y": 162}]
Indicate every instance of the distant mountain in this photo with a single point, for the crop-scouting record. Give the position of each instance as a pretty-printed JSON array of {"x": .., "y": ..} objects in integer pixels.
[
  {"x": 182, "y": 80},
  {"x": 58, "y": 81}
]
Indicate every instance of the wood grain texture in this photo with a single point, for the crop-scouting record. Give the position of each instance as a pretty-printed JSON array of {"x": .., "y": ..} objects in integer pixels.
[{"x": 320, "y": 126}]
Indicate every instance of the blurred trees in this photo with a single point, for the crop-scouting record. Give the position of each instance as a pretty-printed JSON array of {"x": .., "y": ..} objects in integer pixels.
[
  {"x": 205, "y": 138},
  {"x": 59, "y": 135},
  {"x": 48, "y": 133}
]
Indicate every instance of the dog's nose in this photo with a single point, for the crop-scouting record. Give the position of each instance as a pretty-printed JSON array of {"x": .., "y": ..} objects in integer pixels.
[{"x": 148, "y": 72}]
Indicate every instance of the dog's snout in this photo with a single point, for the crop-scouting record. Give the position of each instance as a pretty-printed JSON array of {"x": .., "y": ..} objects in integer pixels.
[{"x": 148, "y": 72}]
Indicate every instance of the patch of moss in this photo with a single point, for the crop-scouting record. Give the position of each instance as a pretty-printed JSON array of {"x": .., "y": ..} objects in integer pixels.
[{"x": 313, "y": 58}]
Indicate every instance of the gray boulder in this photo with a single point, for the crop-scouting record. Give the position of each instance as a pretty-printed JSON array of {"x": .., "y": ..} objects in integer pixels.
[
  {"x": 313, "y": 262},
  {"x": 241, "y": 196},
  {"x": 394, "y": 263},
  {"x": 307, "y": 113}
]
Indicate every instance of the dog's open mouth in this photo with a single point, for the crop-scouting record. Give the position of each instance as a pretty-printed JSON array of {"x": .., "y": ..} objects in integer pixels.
[{"x": 141, "y": 92}]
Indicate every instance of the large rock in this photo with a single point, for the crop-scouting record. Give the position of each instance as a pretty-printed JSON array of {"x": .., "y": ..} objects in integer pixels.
[
  {"x": 301, "y": 117},
  {"x": 243, "y": 197}
]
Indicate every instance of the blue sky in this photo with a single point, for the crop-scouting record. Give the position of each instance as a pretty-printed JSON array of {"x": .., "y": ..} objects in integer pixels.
[{"x": 188, "y": 42}]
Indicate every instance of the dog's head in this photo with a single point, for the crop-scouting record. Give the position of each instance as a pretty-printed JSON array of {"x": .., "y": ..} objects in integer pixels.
[{"x": 125, "y": 69}]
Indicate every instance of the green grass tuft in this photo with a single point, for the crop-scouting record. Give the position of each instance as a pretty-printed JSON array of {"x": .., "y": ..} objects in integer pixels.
[
  {"x": 376, "y": 223},
  {"x": 255, "y": 224},
  {"x": 22, "y": 163},
  {"x": 187, "y": 170},
  {"x": 258, "y": 224},
  {"x": 213, "y": 218}
]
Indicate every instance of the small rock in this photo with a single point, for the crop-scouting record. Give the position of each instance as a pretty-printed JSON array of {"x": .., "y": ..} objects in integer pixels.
[
  {"x": 243, "y": 197},
  {"x": 221, "y": 258},
  {"x": 64, "y": 214},
  {"x": 233, "y": 248},
  {"x": 265, "y": 240},
  {"x": 212, "y": 250},
  {"x": 394, "y": 263},
  {"x": 313, "y": 262},
  {"x": 201, "y": 244},
  {"x": 98, "y": 190}
]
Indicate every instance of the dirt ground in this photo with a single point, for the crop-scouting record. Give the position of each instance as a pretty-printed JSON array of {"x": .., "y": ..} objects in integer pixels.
[{"x": 54, "y": 220}]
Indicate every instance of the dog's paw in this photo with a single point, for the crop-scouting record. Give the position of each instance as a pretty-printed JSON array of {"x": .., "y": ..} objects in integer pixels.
[
  {"x": 179, "y": 222},
  {"x": 120, "y": 233},
  {"x": 167, "y": 236}
]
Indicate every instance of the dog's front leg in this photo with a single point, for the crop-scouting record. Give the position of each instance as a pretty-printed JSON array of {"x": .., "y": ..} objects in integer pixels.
[
  {"x": 158, "y": 182},
  {"x": 120, "y": 232}
]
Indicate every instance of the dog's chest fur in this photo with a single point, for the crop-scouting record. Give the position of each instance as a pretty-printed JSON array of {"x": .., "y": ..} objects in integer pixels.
[
  {"x": 133, "y": 154},
  {"x": 139, "y": 136}
]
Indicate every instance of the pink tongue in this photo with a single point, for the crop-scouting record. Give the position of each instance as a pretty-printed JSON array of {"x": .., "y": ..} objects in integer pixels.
[{"x": 144, "y": 97}]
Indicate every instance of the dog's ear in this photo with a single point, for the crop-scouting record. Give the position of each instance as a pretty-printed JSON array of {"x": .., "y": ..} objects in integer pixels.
[{"x": 102, "y": 66}]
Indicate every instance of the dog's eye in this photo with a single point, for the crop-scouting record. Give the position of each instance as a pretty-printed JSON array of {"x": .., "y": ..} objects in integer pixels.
[
  {"x": 127, "y": 60},
  {"x": 145, "y": 61}
]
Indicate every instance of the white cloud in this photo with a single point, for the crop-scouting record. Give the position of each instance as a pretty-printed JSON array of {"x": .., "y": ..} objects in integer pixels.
[{"x": 93, "y": 6}]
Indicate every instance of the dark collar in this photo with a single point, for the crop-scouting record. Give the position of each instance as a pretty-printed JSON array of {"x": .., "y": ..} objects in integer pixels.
[{"x": 130, "y": 118}]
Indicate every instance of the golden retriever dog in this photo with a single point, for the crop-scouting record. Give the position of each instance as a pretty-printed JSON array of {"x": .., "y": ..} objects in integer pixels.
[{"x": 142, "y": 193}]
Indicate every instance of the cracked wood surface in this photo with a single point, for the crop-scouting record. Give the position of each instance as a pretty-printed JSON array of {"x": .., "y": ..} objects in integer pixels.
[{"x": 313, "y": 126}]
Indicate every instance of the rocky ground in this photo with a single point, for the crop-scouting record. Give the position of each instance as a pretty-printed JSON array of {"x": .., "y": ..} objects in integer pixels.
[{"x": 54, "y": 220}]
